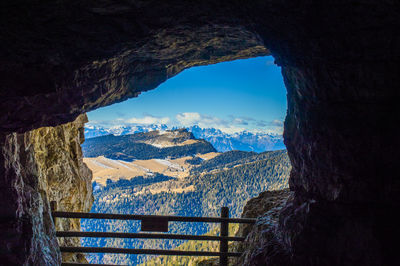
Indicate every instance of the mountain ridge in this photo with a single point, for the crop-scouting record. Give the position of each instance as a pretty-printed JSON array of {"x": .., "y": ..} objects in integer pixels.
[
  {"x": 146, "y": 145},
  {"x": 245, "y": 140}
]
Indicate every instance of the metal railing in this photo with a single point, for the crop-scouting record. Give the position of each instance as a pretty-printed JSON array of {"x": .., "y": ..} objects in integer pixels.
[{"x": 154, "y": 223}]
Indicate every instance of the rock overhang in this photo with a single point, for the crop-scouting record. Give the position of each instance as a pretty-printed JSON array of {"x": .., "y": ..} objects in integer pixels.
[{"x": 75, "y": 57}]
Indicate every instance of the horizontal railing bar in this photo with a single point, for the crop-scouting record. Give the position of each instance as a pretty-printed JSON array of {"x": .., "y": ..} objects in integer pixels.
[
  {"x": 146, "y": 235},
  {"x": 141, "y": 217},
  {"x": 91, "y": 264},
  {"x": 147, "y": 251}
]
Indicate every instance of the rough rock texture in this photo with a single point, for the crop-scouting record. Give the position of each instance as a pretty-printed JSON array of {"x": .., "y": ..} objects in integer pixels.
[
  {"x": 59, "y": 157},
  {"x": 342, "y": 142},
  {"x": 340, "y": 62},
  {"x": 266, "y": 208},
  {"x": 28, "y": 236},
  {"x": 40, "y": 166},
  {"x": 70, "y": 57}
]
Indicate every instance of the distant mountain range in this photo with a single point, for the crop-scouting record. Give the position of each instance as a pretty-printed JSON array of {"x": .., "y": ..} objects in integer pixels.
[
  {"x": 244, "y": 141},
  {"x": 147, "y": 145},
  {"x": 97, "y": 131}
]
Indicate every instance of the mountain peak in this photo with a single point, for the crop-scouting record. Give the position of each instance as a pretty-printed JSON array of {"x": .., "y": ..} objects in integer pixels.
[
  {"x": 244, "y": 141},
  {"x": 147, "y": 145}
]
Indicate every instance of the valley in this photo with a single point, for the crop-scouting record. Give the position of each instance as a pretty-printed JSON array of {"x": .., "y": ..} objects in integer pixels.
[
  {"x": 190, "y": 178},
  {"x": 104, "y": 168}
]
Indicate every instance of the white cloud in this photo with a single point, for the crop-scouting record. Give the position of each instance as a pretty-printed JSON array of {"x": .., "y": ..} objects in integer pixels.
[
  {"x": 147, "y": 120},
  {"x": 207, "y": 121},
  {"x": 274, "y": 127},
  {"x": 273, "y": 131},
  {"x": 231, "y": 124},
  {"x": 277, "y": 123},
  {"x": 240, "y": 121},
  {"x": 231, "y": 129},
  {"x": 188, "y": 119}
]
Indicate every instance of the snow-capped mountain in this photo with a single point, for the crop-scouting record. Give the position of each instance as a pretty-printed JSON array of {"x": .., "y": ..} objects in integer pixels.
[
  {"x": 244, "y": 141},
  {"x": 97, "y": 131}
]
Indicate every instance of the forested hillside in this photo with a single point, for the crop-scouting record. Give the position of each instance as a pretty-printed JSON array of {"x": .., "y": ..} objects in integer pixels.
[
  {"x": 129, "y": 151},
  {"x": 143, "y": 146},
  {"x": 212, "y": 246},
  {"x": 222, "y": 159},
  {"x": 231, "y": 159},
  {"x": 236, "y": 177}
]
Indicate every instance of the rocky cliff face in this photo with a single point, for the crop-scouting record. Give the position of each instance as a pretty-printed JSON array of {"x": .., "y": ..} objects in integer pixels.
[
  {"x": 266, "y": 208},
  {"x": 40, "y": 166}
]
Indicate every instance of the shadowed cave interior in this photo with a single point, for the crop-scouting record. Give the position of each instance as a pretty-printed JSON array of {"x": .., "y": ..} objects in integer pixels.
[{"x": 339, "y": 62}]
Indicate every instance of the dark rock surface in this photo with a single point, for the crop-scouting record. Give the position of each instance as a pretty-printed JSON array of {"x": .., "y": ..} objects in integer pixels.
[
  {"x": 264, "y": 234},
  {"x": 60, "y": 59},
  {"x": 342, "y": 143},
  {"x": 340, "y": 62}
]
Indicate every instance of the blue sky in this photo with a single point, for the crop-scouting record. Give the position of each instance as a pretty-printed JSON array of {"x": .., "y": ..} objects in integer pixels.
[{"x": 246, "y": 94}]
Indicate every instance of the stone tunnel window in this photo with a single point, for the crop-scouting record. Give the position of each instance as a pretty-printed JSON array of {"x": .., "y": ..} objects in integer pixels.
[{"x": 209, "y": 137}]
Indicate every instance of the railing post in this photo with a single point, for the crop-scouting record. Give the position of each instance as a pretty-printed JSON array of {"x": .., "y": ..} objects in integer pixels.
[{"x": 223, "y": 246}]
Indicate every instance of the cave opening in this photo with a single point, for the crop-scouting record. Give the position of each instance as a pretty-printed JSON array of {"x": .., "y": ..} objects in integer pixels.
[
  {"x": 339, "y": 60},
  {"x": 231, "y": 115}
]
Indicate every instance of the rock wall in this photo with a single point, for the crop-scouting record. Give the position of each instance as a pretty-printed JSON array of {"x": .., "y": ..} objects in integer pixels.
[
  {"x": 266, "y": 208},
  {"x": 40, "y": 166},
  {"x": 261, "y": 236},
  {"x": 341, "y": 142}
]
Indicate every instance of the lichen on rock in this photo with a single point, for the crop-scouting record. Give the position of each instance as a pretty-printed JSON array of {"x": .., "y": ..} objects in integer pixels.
[
  {"x": 40, "y": 166},
  {"x": 59, "y": 157}
]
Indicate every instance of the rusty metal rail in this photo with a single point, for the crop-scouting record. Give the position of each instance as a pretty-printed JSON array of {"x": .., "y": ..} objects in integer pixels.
[
  {"x": 111, "y": 216},
  {"x": 146, "y": 236},
  {"x": 147, "y": 251},
  {"x": 154, "y": 223}
]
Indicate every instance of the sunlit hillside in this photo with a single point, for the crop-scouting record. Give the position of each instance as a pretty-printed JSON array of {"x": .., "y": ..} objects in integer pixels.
[{"x": 193, "y": 184}]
